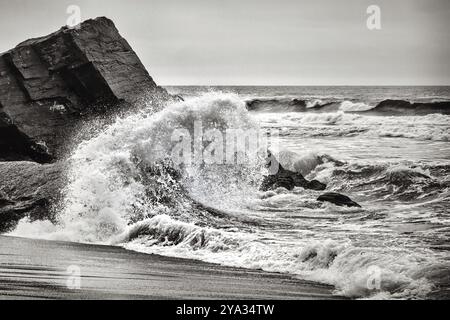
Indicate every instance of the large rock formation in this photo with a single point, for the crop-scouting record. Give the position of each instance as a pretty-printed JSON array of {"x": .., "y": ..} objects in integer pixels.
[{"x": 47, "y": 84}]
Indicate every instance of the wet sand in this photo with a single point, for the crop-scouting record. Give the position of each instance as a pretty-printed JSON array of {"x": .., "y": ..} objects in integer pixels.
[{"x": 38, "y": 269}]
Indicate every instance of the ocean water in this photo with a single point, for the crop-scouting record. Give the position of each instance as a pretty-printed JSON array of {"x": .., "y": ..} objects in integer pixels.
[{"x": 122, "y": 189}]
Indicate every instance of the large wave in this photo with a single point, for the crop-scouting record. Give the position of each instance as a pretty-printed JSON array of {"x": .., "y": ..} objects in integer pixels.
[{"x": 125, "y": 173}]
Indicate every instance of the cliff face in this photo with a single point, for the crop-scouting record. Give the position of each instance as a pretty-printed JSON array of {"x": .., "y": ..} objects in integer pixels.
[{"x": 48, "y": 84}]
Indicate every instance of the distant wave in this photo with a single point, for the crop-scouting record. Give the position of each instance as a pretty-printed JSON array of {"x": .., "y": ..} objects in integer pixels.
[
  {"x": 290, "y": 105},
  {"x": 402, "y": 107},
  {"x": 385, "y": 107}
]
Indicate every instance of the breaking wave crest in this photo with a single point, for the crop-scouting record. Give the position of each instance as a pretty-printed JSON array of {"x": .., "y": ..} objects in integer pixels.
[{"x": 348, "y": 106}]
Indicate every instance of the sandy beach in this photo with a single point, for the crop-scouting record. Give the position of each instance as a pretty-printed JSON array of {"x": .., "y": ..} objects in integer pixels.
[{"x": 38, "y": 269}]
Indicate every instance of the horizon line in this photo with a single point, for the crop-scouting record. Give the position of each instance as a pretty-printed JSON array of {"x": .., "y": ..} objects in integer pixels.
[{"x": 304, "y": 85}]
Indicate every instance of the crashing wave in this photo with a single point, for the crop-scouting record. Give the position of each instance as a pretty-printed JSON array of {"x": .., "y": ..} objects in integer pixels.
[
  {"x": 113, "y": 180},
  {"x": 303, "y": 163}
]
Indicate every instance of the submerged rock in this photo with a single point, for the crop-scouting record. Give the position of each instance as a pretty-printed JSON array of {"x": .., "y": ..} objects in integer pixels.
[
  {"x": 48, "y": 84},
  {"x": 28, "y": 189},
  {"x": 281, "y": 177},
  {"x": 338, "y": 199}
]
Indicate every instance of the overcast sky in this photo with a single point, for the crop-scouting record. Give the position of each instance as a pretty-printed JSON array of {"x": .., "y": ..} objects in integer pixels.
[{"x": 262, "y": 42}]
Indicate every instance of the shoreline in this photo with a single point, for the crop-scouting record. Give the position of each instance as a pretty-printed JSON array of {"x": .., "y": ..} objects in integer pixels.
[{"x": 38, "y": 269}]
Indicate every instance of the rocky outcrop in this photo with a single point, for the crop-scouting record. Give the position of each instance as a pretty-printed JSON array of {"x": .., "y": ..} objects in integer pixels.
[
  {"x": 338, "y": 199},
  {"x": 281, "y": 177},
  {"x": 28, "y": 189},
  {"x": 48, "y": 84}
]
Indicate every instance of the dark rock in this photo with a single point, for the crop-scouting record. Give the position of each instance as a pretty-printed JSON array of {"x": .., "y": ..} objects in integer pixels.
[
  {"x": 316, "y": 185},
  {"x": 281, "y": 177},
  {"x": 338, "y": 199},
  {"x": 283, "y": 182},
  {"x": 28, "y": 189},
  {"x": 48, "y": 84},
  {"x": 15, "y": 145}
]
